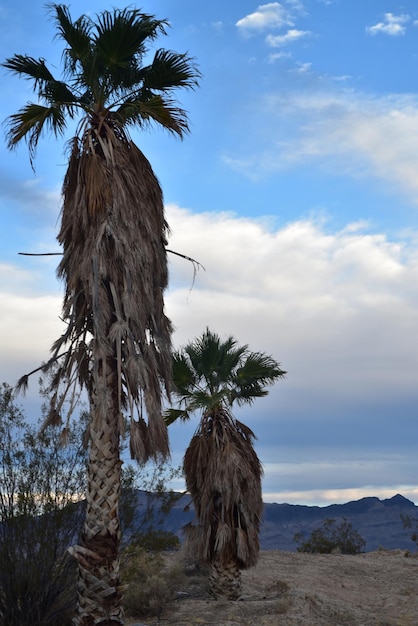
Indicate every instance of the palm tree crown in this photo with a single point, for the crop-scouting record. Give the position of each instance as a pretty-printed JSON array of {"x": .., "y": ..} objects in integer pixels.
[
  {"x": 209, "y": 373},
  {"x": 104, "y": 78}
]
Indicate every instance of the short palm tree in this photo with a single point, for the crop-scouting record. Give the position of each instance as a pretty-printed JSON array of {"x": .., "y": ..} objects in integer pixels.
[
  {"x": 117, "y": 341},
  {"x": 221, "y": 467}
]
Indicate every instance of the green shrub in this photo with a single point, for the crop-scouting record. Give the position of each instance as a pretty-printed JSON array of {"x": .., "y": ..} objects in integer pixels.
[
  {"x": 157, "y": 541},
  {"x": 151, "y": 582},
  {"x": 331, "y": 537},
  {"x": 39, "y": 484},
  {"x": 42, "y": 487},
  {"x": 145, "y": 503}
]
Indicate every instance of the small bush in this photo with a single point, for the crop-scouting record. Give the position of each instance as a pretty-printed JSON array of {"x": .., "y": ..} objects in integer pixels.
[
  {"x": 331, "y": 537},
  {"x": 411, "y": 523},
  {"x": 157, "y": 541},
  {"x": 151, "y": 583},
  {"x": 40, "y": 482}
]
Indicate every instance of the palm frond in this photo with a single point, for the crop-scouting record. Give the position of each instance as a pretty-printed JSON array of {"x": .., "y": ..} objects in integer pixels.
[
  {"x": 170, "y": 70},
  {"x": 210, "y": 372},
  {"x": 29, "y": 123},
  {"x": 155, "y": 108},
  {"x": 120, "y": 42},
  {"x": 58, "y": 93},
  {"x": 223, "y": 475},
  {"x": 205, "y": 354},
  {"x": 247, "y": 395},
  {"x": 172, "y": 415},
  {"x": 206, "y": 400},
  {"x": 75, "y": 34},
  {"x": 214, "y": 359},
  {"x": 115, "y": 270},
  {"x": 184, "y": 377},
  {"x": 250, "y": 380},
  {"x": 258, "y": 368},
  {"x": 23, "y": 383},
  {"x": 29, "y": 68},
  {"x": 120, "y": 35}
]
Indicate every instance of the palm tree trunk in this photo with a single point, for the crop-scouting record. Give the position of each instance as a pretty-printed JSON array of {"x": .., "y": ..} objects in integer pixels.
[
  {"x": 225, "y": 579},
  {"x": 99, "y": 590},
  {"x": 115, "y": 267}
]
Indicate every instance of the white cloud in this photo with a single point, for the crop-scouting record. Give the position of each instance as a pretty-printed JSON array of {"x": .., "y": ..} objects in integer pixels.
[
  {"x": 342, "y": 78},
  {"x": 393, "y": 25},
  {"x": 326, "y": 497},
  {"x": 217, "y": 26},
  {"x": 292, "y": 35},
  {"x": 322, "y": 288},
  {"x": 275, "y": 56},
  {"x": 337, "y": 309},
  {"x": 348, "y": 133},
  {"x": 297, "y": 5},
  {"x": 29, "y": 325},
  {"x": 271, "y": 15},
  {"x": 303, "y": 68}
]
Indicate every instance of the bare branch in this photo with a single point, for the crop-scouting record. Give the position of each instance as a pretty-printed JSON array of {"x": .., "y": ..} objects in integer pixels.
[{"x": 40, "y": 253}]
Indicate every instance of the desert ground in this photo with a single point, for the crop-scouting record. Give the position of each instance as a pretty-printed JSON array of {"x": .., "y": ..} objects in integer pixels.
[{"x": 293, "y": 589}]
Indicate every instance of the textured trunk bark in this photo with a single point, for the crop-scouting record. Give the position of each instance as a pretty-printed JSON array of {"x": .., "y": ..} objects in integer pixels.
[
  {"x": 99, "y": 589},
  {"x": 225, "y": 580}
]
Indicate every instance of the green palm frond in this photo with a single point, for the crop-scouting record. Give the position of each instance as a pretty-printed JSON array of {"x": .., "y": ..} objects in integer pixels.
[
  {"x": 121, "y": 35},
  {"x": 75, "y": 34},
  {"x": 29, "y": 122},
  {"x": 210, "y": 373},
  {"x": 213, "y": 359},
  {"x": 170, "y": 70},
  {"x": 247, "y": 394},
  {"x": 184, "y": 377},
  {"x": 47, "y": 87},
  {"x": 257, "y": 371},
  {"x": 29, "y": 68},
  {"x": 120, "y": 42},
  {"x": 156, "y": 109},
  {"x": 57, "y": 92},
  {"x": 172, "y": 415},
  {"x": 261, "y": 366}
]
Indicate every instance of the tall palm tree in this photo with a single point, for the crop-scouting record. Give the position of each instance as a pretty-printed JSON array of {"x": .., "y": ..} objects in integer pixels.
[
  {"x": 117, "y": 341},
  {"x": 221, "y": 467}
]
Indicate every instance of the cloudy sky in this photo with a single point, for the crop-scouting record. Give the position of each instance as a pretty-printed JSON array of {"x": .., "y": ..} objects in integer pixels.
[{"x": 297, "y": 190}]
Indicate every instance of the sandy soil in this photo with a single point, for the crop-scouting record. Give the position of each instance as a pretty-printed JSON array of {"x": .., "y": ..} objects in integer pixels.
[{"x": 292, "y": 589}]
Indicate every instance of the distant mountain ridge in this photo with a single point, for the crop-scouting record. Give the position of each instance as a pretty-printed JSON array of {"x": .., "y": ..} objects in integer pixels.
[{"x": 378, "y": 521}]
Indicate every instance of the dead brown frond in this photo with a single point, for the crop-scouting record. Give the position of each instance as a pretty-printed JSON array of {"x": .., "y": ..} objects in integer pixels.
[
  {"x": 114, "y": 267},
  {"x": 223, "y": 476}
]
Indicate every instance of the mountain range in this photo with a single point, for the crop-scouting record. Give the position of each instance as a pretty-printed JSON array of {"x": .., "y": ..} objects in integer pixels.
[{"x": 379, "y": 522}]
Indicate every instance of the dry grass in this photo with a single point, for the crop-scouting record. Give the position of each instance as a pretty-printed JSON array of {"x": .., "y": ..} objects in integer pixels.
[{"x": 293, "y": 589}]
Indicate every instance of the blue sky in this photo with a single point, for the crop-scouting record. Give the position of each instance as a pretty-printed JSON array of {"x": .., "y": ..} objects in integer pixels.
[{"x": 297, "y": 189}]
